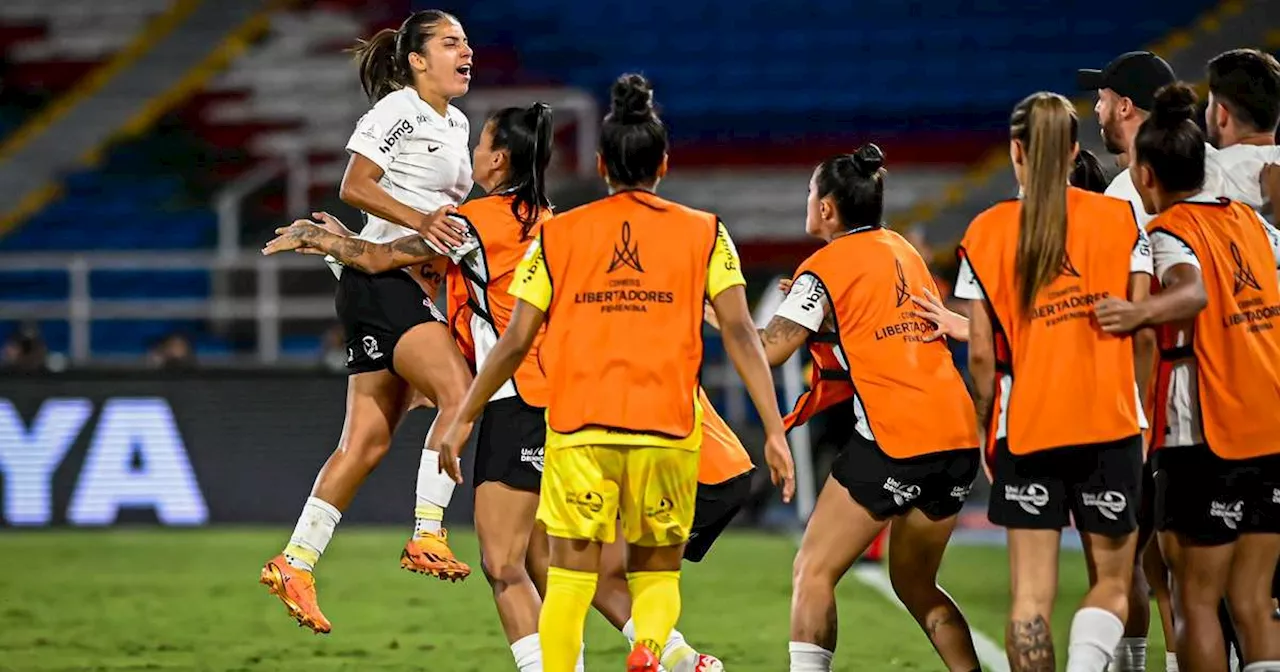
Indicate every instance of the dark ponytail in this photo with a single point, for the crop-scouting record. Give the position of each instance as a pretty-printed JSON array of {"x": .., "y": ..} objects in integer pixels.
[
  {"x": 384, "y": 58},
  {"x": 633, "y": 140},
  {"x": 1087, "y": 173},
  {"x": 856, "y": 184},
  {"x": 525, "y": 134},
  {"x": 1170, "y": 142}
]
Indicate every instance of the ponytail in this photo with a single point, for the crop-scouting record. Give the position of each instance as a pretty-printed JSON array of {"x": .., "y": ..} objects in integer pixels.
[
  {"x": 380, "y": 72},
  {"x": 525, "y": 134},
  {"x": 1046, "y": 125},
  {"x": 384, "y": 58}
]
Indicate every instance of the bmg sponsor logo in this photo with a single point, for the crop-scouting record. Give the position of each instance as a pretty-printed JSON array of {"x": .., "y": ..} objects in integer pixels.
[{"x": 399, "y": 131}]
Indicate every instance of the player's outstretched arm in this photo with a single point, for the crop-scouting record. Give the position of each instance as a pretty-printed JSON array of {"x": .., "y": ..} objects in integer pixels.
[
  {"x": 498, "y": 368},
  {"x": 329, "y": 236},
  {"x": 1182, "y": 296},
  {"x": 743, "y": 345}
]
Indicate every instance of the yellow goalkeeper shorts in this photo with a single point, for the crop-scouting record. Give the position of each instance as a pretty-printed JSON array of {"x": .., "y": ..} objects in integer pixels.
[{"x": 585, "y": 489}]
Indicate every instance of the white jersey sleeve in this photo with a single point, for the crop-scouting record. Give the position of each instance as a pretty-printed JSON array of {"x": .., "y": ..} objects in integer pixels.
[
  {"x": 1273, "y": 235},
  {"x": 1140, "y": 260},
  {"x": 380, "y": 133},
  {"x": 1168, "y": 251},
  {"x": 1121, "y": 187},
  {"x": 967, "y": 286},
  {"x": 806, "y": 303}
]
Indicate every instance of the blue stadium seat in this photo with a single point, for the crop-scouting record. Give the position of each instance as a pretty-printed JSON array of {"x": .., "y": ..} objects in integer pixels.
[{"x": 759, "y": 61}]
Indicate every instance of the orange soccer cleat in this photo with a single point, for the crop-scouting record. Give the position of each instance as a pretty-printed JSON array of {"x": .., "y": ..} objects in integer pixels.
[
  {"x": 297, "y": 589},
  {"x": 430, "y": 554},
  {"x": 642, "y": 659}
]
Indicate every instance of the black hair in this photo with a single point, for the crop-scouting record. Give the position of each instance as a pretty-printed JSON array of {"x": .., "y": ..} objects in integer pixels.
[
  {"x": 1247, "y": 82},
  {"x": 384, "y": 58},
  {"x": 1170, "y": 142},
  {"x": 856, "y": 183},
  {"x": 1087, "y": 173},
  {"x": 633, "y": 140},
  {"x": 525, "y": 134}
]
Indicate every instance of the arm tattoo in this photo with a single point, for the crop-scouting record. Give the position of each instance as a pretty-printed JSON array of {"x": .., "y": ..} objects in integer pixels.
[
  {"x": 352, "y": 252},
  {"x": 369, "y": 257},
  {"x": 1030, "y": 645},
  {"x": 780, "y": 330},
  {"x": 413, "y": 249},
  {"x": 984, "y": 403}
]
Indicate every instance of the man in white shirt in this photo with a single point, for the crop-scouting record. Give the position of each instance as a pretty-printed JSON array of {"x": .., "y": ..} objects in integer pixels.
[
  {"x": 1126, "y": 91},
  {"x": 1241, "y": 120}
]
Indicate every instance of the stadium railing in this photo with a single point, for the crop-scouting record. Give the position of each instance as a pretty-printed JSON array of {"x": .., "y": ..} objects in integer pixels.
[{"x": 266, "y": 307}]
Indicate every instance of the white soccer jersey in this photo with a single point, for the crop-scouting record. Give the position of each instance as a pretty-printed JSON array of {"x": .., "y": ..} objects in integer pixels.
[
  {"x": 424, "y": 157},
  {"x": 1236, "y": 172}
]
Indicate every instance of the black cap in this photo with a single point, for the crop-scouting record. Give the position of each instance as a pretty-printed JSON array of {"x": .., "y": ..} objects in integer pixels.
[{"x": 1136, "y": 75}]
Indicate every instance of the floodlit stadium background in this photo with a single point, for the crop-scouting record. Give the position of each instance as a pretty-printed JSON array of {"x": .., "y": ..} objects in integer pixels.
[{"x": 158, "y": 372}]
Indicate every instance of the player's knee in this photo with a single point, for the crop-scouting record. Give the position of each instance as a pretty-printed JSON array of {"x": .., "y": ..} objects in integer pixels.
[
  {"x": 1139, "y": 587},
  {"x": 504, "y": 570},
  {"x": 916, "y": 592},
  {"x": 1248, "y": 604},
  {"x": 810, "y": 572},
  {"x": 1030, "y": 598},
  {"x": 1198, "y": 592},
  {"x": 367, "y": 448}
]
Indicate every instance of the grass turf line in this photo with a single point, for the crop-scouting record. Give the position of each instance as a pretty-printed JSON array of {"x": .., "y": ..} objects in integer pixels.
[{"x": 143, "y": 599}]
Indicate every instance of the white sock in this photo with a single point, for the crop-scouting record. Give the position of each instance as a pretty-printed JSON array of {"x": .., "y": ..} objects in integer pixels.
[
  {"x": 806, "y": 657},
  {"x": 581, "y": 665},
  {"x": 312, "y": 533},
  {"x": 1131, "y": 655},
  {"x": 433, "y": 494},
  {"x": 528, "y": 653},
  {"x": 1095, "y": 634},
  {"x": 677, "y": 655},
  {"x": 1263, "y": 666},
  {"x": 1170, "y": 661},
  {"x": 629, "y": 631}
]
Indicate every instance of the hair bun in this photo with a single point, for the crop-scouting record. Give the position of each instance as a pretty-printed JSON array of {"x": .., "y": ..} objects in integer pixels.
[
  {"x": 537, "y": 112},
  {"x": 1174, "y": 104},
  {"x": 632, "y": 99},
  {"x": 868, "y": 158}
]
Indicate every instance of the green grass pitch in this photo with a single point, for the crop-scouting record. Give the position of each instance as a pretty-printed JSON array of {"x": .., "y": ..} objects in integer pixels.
[{"x": 142, "y": 599}]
